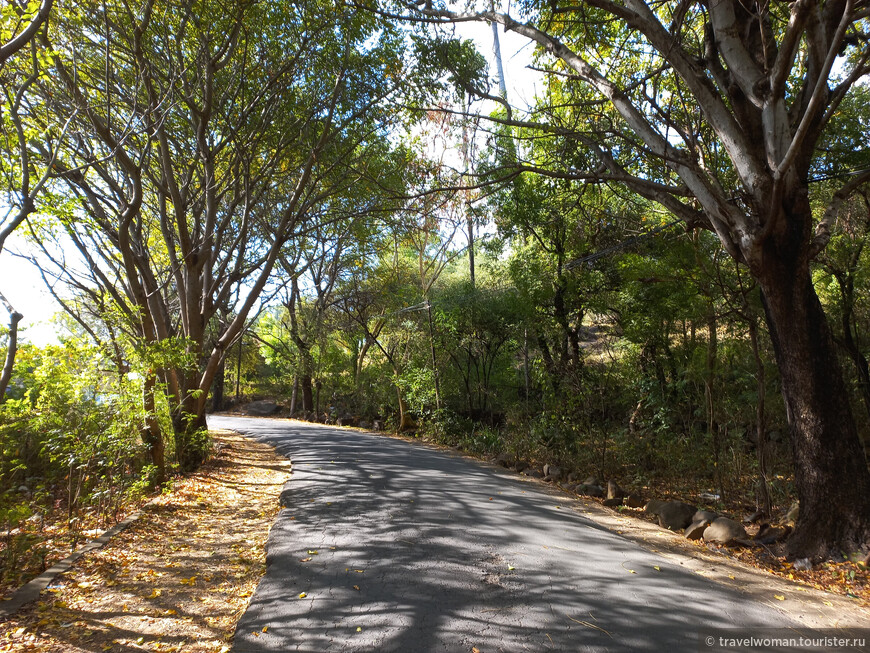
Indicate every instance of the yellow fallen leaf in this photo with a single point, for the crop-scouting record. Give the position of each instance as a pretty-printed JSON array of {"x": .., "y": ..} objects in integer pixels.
[
  {"x": 356, "y": 587},
  {"x": 828, "y": 603},
  {"x": 265, "y": 628},
  {"x": 302, "y": 595},
  {"x": 731, "y": 577},
  {"x": 154, "y": 593},
  {"x": 312, "y": 552},
  {"x": 171, "y": 612},
  {"x": 779, "y": 597},
  {"x": 657, "y": 568},
  {"x": 359, "y": 629},
  {"x": 632, "y": 571},
  {"x": 510, "y": 568},
  {"x": 308, "y": 559}
]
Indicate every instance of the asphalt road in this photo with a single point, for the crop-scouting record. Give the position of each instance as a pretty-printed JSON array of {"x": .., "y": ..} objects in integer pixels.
[{"x": 402, "y": 547}]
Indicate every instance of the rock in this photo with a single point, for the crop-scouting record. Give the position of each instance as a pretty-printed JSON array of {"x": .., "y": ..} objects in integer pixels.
[
  {"x": 534, "y": 473},
  {"x": 573, "y": 478},
  {"x": 591, "y": 480},
  {"x": 364, "y": 424},
  {"x": 377, "y": 425},
  {"x": 700, "y": 521},
  {"x": 803, "y": 564},
  {"x": 653, "y": 506},
  {"x": 552, "y": 472},
  {"x": 792, "y": 514},
  {"x": 505, "y": 459},
  {"x": 676, "y": 515},
  {"x": 768, "y": 534},
  {"x": 614, "y": 491},
  {"x": 866, "y": 562},
  {"x": 612, "y": 502},
  {"x": 695, "y": 531},
  {"x": 590, "y": 490},
  {"x": 704, "y": 517},
  {"x": 262, "y": 408},
  {"x": 724, "y": 531},
  {"x": 634, "y": 501},
  {"x": 754, "y": 517},
  {"x": 520, "y": 466}
]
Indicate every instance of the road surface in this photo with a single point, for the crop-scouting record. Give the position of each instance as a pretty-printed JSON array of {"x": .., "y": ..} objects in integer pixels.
[{"x": 388, "y": 545}]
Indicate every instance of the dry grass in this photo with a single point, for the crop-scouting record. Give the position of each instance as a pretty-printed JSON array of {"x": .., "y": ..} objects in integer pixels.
[{"x": 179, "y": 578}]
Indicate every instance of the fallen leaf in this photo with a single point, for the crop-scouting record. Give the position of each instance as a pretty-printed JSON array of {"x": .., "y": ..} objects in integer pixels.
[
  {"x": 302, "y": 595},
  {"x": 359, "y": 629},
  {"x": 356, "y": 587},
  {"x": 308, "y": 559},
  {"x": 265, "y": 628},
  {"x": 657, "y": 568},
  {"x": 779, "y": 597}
]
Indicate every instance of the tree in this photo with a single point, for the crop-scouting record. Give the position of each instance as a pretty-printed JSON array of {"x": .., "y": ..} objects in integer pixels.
[
  {"x": 214, "y": 139},
  {"x": 716, "y": 111}
]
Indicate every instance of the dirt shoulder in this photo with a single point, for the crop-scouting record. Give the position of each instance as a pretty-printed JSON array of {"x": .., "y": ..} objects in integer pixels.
[{"x": 178, "y": 578}]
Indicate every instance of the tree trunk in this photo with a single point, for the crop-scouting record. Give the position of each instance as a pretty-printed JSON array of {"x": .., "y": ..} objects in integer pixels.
[
  {"x": 833, "y": 482},
  {"x": 152, "y": 436},
  {"x": 217, "y": 388},
  {"x": 11, "y": 350},
  {"x": 307, "y": 393}
]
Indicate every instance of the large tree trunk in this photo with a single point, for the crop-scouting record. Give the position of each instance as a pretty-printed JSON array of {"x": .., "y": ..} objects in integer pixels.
[
  {"x": 831, "y": 475},
  {"x": 307, "y": 393}
]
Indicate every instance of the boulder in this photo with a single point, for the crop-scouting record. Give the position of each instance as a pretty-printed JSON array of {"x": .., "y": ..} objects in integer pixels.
[
  {"x": 614, "y": 491},
  {"x": 612, "y": 502},
  {"x": 634, "y": 501},
  {"x": 364, "y": 424},
  {"x": 700, "y": 521},
  {"x": 724, "y": 531},
  {"x": 768, "y": 534},
  {"x": 377, "y": 425},
  {"x": 591, "y": 480},
  {"x": 573, "y": 478},
  {"x": 262, "y": 408},
  {"x": 675, "y": 515},
  {"x": 552, "y": 472},
  {"x": 534, "y": 473},
  {"x": 520, "y": 466},
  {"x": 590, "y": 490},
  {"x": 653, "y": 506},
  {"x": 505, "y": 459}
]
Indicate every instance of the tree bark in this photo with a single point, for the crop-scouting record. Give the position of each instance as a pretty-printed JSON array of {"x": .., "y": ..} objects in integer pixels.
[
  {"x": 11, "y": 350},
  {"x": 831, "y": 475},
  {"x": 217, "y": 388},
  {"x": 152, "y": 436}
]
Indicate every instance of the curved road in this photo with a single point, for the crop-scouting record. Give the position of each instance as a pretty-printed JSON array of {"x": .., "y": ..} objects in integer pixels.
[{"x": 420, "y": 550}]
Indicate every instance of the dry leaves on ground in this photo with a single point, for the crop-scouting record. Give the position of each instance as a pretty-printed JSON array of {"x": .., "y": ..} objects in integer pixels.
[{"x": 179, "y": 578}]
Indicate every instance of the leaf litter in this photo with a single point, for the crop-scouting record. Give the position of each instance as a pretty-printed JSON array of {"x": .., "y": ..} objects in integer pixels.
[{"x": 179, "y": 578}]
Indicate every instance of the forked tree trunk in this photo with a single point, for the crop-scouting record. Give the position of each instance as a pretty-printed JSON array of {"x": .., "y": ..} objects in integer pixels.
[{"x": 831, "y": 475}]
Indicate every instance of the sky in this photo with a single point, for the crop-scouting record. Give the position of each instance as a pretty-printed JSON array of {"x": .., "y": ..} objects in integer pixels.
[{"x": 23, "y": 287}]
